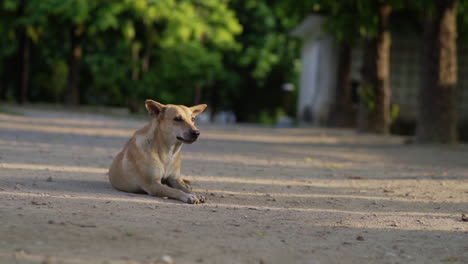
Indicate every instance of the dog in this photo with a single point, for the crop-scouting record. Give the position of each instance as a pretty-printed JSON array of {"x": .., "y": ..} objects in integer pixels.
[{"x": 150, "y": 161}]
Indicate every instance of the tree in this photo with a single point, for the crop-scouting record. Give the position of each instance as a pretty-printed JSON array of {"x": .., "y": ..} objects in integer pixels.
[
  {"x": 342, "y": 24},
  {"x": 266, "y": 59},
  {"x": 437, "y": 118},
  {"x": 376, "y": 76},
  {"x": 177, "y": 48},
  {"x": 348, "y": 21},
  {"x": 17, "y": 23},
  {"x": 8, "y": 47}
]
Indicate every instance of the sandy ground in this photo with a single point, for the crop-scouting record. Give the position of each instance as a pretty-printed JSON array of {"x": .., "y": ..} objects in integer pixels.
[{"x": 302, "y": 195}]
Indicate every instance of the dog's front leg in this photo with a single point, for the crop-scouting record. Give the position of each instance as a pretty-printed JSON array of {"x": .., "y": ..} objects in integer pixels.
[
  {"x": 160, "y": 190},
  {"x": 178, "y": 183}
]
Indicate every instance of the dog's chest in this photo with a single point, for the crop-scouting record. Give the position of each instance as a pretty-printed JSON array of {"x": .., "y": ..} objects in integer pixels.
[{"x": 170, "y": 167}]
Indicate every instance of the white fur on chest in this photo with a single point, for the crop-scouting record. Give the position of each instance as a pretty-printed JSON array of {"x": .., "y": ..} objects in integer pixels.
[{"x": 160, "y": 165}]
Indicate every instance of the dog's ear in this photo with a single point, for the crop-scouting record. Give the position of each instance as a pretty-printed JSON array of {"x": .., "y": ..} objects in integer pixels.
[
  {"x": 153, "y": 107},
  {"x": 196, "y": 110}
]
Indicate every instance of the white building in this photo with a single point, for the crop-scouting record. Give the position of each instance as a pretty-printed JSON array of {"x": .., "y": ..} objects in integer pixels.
[{"x": 318, "y": 78}]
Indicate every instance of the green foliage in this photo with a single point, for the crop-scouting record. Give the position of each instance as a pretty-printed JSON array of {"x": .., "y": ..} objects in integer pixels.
[
  {"x": 265, "y": 61},
  {"x": 462, "y": 8},
  {"x": 347, "y": 20},
  {"x": 131, "y": 49},
  {"x": 269, "y": 118},
  {"x": 367, "y": 95},
  {"x": 394, "y": 112},
  {"x": 234, "y": 53},
  {"x": 227, "y": 51},
  {"x": 52, "y": 83},
  {"x": 188, "y": 66}
]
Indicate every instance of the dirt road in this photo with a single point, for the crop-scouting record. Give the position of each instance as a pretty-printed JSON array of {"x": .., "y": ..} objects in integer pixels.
[{"x": 303, "y": 195}]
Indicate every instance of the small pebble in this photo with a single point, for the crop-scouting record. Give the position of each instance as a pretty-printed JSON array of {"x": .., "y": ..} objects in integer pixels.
[
  {"x": 167, "y": 259},
  {"x": 464, "y": 218},
  {"x": 47, "y": 260}
]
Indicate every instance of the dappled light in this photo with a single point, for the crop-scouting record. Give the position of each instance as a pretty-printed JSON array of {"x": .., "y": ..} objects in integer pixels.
[
  {"x": 61, "y": 121},
  {"x": 23, "y": 166},
  {"x": 85, "y": 131},
  {"x": 205, "y": 131},
  {"x": 27, "y": 257},
  {"x": 336, "y": 212},
  {"x": 262, "y": 185}
]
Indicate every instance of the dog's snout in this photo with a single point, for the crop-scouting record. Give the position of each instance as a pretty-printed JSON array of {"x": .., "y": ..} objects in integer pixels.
[{"x": 195, "y": 133}]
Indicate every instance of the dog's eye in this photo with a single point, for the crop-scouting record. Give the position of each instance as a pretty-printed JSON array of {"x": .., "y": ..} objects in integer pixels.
[
  {"x": 193, "y": 119},
  {"x": 178, "y": 118}
]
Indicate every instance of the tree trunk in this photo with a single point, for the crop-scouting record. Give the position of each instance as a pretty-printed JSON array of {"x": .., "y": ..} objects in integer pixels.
[
  {"x": 198, "y": 94},
  {"x": 73, "y": 87},
  {"x": 25, "y": 47},
  {"x": 22, "y": 76},
  {"x": 133, "y": 105},
  {"x": 375, "y": 114},
  {"x": 343, "y": 115},
  {"x": 437, "y": 117},
  {"x": 6, "y": 75}
]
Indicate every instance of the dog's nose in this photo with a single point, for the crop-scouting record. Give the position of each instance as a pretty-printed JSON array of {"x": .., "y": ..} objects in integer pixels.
[{"x": 195, "y": 133}]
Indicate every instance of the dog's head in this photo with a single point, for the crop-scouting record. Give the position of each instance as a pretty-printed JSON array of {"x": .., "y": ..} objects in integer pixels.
[{"x": 176, "y": 121}]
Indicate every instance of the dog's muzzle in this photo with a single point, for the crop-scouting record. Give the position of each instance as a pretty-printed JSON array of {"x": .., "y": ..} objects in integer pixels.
[{"x": 190, "y": 137}]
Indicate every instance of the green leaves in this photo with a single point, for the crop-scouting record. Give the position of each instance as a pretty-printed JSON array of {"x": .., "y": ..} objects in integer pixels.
[{"x": 165, "y": 49}]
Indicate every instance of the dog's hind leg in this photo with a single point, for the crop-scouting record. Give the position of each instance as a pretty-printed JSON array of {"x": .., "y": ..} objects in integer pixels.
[{"x": 160, "y": 190}]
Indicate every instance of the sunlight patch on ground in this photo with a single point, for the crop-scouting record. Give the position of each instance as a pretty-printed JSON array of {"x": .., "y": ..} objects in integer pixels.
[
  {"x": 338, "y": 183},
  {"x": 314, "y": 195},
  {"x": 60, "y": 121},
  {"x": 26, "y": 257},
  {"x": 58, "y": 126},
  {"x": 109, "y": 132},
  {"x": 334, "y": 213},
  {"x": 25, "y": 166},
  {"x": 246, "y": 160},
  {"x": 26, "y": 146},
  {"x": 258, "y": 138}
]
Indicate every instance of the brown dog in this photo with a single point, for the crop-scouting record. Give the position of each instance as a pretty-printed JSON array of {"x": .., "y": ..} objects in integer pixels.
[{"x": 150, "y": 161}]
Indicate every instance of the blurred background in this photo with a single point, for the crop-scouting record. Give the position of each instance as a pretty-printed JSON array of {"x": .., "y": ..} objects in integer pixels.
[{"x": 383, "y": 67}]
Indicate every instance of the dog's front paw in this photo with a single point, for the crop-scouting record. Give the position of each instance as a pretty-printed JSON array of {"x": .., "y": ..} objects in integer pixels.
[
  {"x": 191, "y": 198},
  {"x": 200, "y": 197}
]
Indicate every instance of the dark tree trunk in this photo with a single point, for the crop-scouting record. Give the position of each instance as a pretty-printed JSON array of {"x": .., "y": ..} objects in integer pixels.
[
  {"x": 133, "y": 105},
  {"x": 375, "y": 113},
  {"x": 197, "y": 94},
  {"x": 6, "y": 75},
  {"x": 25, "y": 47},
  {"x": 72, "y": 96},
  {"x": 437, "y": 118},
  {"x": 22, "y": 75},
  {"x": 136, "y": 64},
  {"x": 3, "y": 83},
  {"x": 344, "y": 115}
]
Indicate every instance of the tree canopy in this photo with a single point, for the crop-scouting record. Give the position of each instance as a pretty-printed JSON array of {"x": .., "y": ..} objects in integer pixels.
[
  {"x": 227, "y": 53},
  {"x": 126, "y": 51}
]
